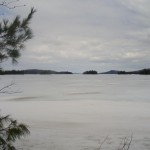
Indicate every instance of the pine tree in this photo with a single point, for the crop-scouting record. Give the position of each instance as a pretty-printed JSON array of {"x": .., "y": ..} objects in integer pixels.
[
  {"x": 10, "y": 131},
  {"x": 13, "y": 36}
]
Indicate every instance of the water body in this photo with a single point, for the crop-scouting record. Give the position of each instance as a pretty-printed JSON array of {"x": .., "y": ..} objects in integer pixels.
[{"x": 77, "y": 112}]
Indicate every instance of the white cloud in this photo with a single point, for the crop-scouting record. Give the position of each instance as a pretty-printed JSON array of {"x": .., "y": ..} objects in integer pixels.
[{"x": 82, "y": 34}]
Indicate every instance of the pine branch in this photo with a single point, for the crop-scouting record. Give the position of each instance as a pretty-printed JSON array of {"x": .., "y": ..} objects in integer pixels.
[
  {"x": 10, "y": 131},
  {"x": 13, "y": 36}
]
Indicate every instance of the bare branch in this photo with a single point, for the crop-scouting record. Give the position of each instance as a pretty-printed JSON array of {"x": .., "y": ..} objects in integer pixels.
[
  {"x": 101, "y": 144},
  {"x": 11, "y": 4},
  {"x": 125, "y": 143},
  {"x": 6, "y": 89},
  {"x": 130, "y": 142}
]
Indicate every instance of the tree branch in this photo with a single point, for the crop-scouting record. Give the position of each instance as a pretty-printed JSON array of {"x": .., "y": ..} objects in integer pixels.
[
  {"x": 101, "y": 144},
  {"x": 126, "y": 143},
  {"x": 6, "y": 89},
  {"x": 11, "y": 4},
  {"x": 2, "y": 90}
]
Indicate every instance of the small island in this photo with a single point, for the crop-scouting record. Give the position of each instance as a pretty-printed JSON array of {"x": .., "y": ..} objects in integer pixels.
[{"x": 90, "y": 72}]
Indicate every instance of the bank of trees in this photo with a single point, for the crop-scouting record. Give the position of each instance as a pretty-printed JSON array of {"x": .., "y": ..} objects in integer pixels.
[{"x": 90, "y": 72}]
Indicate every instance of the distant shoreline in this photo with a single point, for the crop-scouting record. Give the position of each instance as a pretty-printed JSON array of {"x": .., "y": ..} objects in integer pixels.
[{"x": 89, "y": 72}]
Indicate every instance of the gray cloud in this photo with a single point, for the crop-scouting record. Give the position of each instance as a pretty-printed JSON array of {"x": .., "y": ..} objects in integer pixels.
[{"x": 83, "y": 34}]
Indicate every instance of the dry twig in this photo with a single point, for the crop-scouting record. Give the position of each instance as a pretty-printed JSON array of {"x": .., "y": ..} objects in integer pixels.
[
  {"x": 125, "y": 143},
  {"x": 101, "y": 143},
  {"x": 10, "y": 4},
  {"x": 7, "y": 89}
]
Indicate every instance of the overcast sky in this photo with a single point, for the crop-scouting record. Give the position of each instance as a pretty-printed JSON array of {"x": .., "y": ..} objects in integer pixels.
[{"x": 79, "y": 35}]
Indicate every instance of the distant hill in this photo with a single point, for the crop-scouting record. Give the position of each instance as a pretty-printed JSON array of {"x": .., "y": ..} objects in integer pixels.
[
  {"x": 111, "y": 72},
  {"x": 37, "y": 71},
  {"x": 64, "y": 72},
  {"x": 142, "y": 72}
]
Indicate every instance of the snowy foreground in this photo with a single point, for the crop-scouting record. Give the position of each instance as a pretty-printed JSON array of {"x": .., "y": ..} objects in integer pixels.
[{"x": 79, "y": 113}]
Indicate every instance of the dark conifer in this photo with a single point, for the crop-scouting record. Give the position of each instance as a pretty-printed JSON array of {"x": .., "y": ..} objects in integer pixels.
[
  {"x": 10, "y": 131},
  {"x": 13, "y": 36}
]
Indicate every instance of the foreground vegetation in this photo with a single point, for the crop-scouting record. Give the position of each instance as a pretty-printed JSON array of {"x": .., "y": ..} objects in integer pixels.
[
  {"x": 13, "y": 35},
  {"x": 10, "y": 131}
]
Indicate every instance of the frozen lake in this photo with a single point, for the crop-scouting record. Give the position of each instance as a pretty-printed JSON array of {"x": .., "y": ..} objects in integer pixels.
[{"x": 77, "y": 112}]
